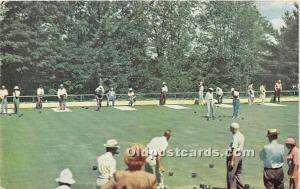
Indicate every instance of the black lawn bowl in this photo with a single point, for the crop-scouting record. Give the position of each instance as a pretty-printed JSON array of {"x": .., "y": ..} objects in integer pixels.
[
  {"x": 201, "y": 186},
  {"x": 247, "y": 186},
  {"x": 9, "y": 114},
  {"x": 86, "y": 107},
  {"x": 211, "y": 165},
  {"x": 171, "y": 174},
  {"x": 194, "y": 175},
  {"x": 20, "y": 115},
  {"x": 194, "y": 187},
  {"x": 195, "y": 112},
  {"x": 94, "y": 168},
  {"x": 243, "y": 118},
  {"x": 82, "y": 107}
]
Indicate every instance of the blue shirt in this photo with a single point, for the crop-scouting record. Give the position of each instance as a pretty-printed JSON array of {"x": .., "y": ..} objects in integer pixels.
[{"x": 272, "y": 155}]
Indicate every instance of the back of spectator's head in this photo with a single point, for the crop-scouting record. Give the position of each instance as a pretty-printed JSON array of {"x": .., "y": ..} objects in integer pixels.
[{"x": 135, "y": 157}]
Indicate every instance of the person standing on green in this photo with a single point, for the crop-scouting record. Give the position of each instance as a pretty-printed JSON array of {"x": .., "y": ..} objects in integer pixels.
[
  {"x": 3, "y": 99},
  {"x": 16, "y": 99}
]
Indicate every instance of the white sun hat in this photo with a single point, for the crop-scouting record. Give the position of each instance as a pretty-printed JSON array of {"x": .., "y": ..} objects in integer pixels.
[
  {"x": 65, "y": 176},
  {"x": 164, "y": 83},
  {"x": 235, "y": 125},
  {"x": 111, "y": 143}
]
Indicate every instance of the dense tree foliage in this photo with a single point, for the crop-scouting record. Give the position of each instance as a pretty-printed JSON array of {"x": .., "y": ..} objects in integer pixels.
[{"x": 140, "y": 44}]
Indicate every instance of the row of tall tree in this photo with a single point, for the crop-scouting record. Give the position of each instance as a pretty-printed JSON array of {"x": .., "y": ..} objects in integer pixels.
[{"x": 139, "y": 44}]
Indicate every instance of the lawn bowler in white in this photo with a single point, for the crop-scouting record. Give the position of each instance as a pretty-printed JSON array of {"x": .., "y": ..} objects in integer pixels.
[
  {"x": 16, "y": 99},
  {"x": 163, "y": 94},
  {"x": 111, "y": 96},
  {"x": 3, "y": 98},
  {"x": 210, "y": 104},
  {"x": 40, "y": 95},
  {"x": 219, "y": 93},
  {"x": 201, "y": 93},
  {"x": 157, "y": 147},
  {"x": 234, "y": 158},
  {"x": 62, "y": 96},
  {"x": 131, "y": 97},
  {"x": 99, "y": 93},
  {"x": 65, "y": 179},
  {"x": 250, "y": 94},
  {"x": 106, "y": 163},
  {"x": 262, "y": 93}
]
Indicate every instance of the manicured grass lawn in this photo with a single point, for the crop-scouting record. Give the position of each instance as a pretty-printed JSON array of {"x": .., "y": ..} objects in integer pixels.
[{"x": 37, "y": 146}]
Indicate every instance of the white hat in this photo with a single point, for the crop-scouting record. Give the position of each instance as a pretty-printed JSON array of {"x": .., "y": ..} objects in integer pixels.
[
  {"x": 61, "y": 85},
  {"x": 65, "y": 176},
  {"x": 232, "y": 89},
  {"x": 130, "y": 89},
  {"x": 112, "y": 143},
  {"x": 16, "y": 88},
  {"x": 235, "y": 125},
  {"x": 164, "y": 83},
  {"x": 211, "y": 89}
]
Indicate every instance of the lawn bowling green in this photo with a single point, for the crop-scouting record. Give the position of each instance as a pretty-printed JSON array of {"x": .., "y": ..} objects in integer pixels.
[{"x": 36, "y": 147}]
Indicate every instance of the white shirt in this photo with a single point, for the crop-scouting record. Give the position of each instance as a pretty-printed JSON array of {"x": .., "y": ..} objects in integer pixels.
[
  {"x": 40, "y": 92},
  {"x": 238, "y": 141},
  {"x": 3, "y": 92},
  {"x": 164, "y": 89},
  {"x": 219, "y": 91},
  {"x": 130, "y": 94},
  {"x": 62, "y": 92},
  {"x": 201, "y": 88},
  {"x": 106, "y": 165},
  {"x": 157, "y": 145},
  {"x": 98, "y": 89},
  {"x": 63, "y": 187},
  {"x": 209, "y": 96},
  {"x": 16, "y": 94}
]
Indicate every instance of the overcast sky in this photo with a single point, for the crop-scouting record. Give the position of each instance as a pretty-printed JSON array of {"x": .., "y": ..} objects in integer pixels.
[{"x": 274, "y": 9}]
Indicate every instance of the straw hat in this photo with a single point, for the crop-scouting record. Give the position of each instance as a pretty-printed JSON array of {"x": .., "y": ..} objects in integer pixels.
[
  {"x": 65, "y": 176},
  {"x": 272, "y": 132},
  {"x": 112, "y": 143}
]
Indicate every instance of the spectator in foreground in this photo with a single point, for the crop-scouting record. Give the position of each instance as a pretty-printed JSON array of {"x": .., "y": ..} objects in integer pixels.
[
  {"x": 134, "y": 177},
  {"x": 272, "y": 156},
  {"x": 65, "y": 179},
  {"x": 106, "y": 163},
  {"x": 293, "y": 162}
]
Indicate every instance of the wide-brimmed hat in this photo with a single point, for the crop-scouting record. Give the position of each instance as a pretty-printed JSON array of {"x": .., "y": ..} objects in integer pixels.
[
  {"x": 210, "y": 88},
  {"x": 16, "y": 88},
  {"x": 272, "y": 132},
  {"x": 65, "y": 176},
  {"x": 130, "y": 89},
  {"x": 111, "y": 143},
  {"x": 290, "y": 141},
  {"x": 235, "y": 125}
]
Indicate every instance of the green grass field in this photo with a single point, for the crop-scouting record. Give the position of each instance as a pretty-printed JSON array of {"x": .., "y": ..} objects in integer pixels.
[{"x": 37, "y": 146}]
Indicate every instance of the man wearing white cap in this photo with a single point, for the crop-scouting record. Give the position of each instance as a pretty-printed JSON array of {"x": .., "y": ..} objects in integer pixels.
[
  {"x": 272, "y": 156},
  {"x": 106, "y": 163},
  {"x": 163, "y": 93},
  {"x": 3, "y": 98},
  {"x": 62, "y": 97},
  {"x": 156, "y": 148},
  {"x": 210, "y": 103},
  {"x": 65, "y": 179},
  {"x": 16, "y": 99},
  {"x": 234, "y": 158}
]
